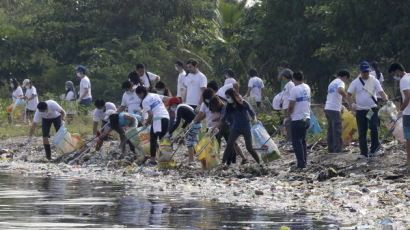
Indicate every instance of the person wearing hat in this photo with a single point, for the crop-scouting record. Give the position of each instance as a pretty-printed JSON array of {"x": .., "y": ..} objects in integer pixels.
[
  {"x": 84, "y": 97},
  {"x": 287, "y": 75},
  {"x": 158, "y": 117},
  {"x": 69, "y": 100},
  {"x": 99, "y": 113},
  {"x": 117, "y": 122},
  {"x": 49, "y": 113},
  {"x": 230, "y": 77},
  {"x": 31, "y": 98},
  {"x": 366, "y": 87},
  {"x": 187, "y": 114}
]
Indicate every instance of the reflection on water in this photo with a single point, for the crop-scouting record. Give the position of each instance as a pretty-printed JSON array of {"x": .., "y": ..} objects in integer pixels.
[{"x": 49, "y": 203}]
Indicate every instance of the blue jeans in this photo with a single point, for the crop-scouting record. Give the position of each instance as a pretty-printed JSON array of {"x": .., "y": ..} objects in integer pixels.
[
  {"x": 299, "y": 129},
  {"x": 363, "y": 124},
  {"x": 86, "y": 102}
]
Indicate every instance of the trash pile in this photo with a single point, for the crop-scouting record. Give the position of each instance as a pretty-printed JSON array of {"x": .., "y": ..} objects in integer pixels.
[{"x": 355, "y": 192}]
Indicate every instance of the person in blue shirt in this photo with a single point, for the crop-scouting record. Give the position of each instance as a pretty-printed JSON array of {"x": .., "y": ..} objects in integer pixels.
[
  {"x": 117, "y": 122},
  {"x": 237, "y": 116}
]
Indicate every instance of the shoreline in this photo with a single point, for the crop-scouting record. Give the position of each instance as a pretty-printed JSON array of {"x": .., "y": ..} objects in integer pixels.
[{"x": 354, "y": 193}]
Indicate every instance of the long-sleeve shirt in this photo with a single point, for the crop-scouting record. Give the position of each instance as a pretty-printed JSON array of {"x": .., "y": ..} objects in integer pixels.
[
  {"x": 183, "y": 112},
  {"x": 238, "y": 117}
]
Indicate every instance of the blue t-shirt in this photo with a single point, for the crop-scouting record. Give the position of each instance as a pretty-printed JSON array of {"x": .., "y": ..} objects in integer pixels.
[{"x": 122, "y": 121}]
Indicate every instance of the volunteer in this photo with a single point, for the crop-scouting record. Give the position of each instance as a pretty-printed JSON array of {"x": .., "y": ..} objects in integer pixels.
[
  {"x": 69, "y": 100},
  {"x": 195, "y": 83},
  {"x": 17, "y": 90},
  {"x": 230, "y": 77},
  {"x": 31, "y": 98},
  {"x": 84, "y": 97},
  {"x": 181, "y": 90},
  {"x": 147, "y": 79},
  {"x": 99, "y": 113},
  {"x": 130, "y": 101},
  {"x": 287, "y": 79},
  {"x": 255, "y": 87}
]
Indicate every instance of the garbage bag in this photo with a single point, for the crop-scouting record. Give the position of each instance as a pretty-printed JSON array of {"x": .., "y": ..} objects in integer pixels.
[
  {"x": 396, "y": 127},
  {"x": 265, "y": 145},
  {"x": 18, "y": 112},
  {"x": 349, "y": 127},
  {"x": 388, "y": 112},
  {"x": 142, "y": 139},
  {"x": 165, "y": 159},
  {"x": 314, "y": 125},
  {"x": 208, "y": 150},
  {"x": 65, "y": 142},
  {"x": 388, "y": 115}
]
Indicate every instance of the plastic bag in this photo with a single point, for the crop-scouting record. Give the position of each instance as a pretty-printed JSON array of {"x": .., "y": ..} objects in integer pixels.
[
  {"x": 265, "y": 146},
  {"x": 208, "y": 150},
  {"x": 397, "y": 129},
  {"x": 142, "y": 139},
  {"x": 165, "y": 154},
  {"x": 388, "y": 115},
  {"x": 277, "y": 101},
  {"x": 65, "y": 142},
  {"x": 19, "y": 110},
  {"x": 349, "y": 127},
  {"x": 314, "y": 125}
]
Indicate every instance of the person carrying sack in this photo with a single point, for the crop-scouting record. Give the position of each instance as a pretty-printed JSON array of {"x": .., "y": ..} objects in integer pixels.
[{"x": 366, "y": 87}]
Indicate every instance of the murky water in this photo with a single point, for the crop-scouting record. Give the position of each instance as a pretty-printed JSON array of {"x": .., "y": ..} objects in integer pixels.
[{"x": 50, "y": 203}]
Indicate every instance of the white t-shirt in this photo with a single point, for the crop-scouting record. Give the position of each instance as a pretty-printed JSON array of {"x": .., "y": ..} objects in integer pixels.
[
  {"x": 53, "y": 111},
  {"x": 99, "y": 114},
  {"x": 334, "y": 99},
  {"x": 70, "y": 96},
  {"x": 286, "y": 94},
  {"x": 17, "y": 93},
  {"x": 276, "y": 102},
  {"x": 363, "y": 98},
  {"x": 132, "y": 102},
  {"x": 405, "y": 85},
  {"x": 301, "y": 95},
  {"x": 223, "y": 89},
  {"x": 152, "y": 78},
  {"x": 230, "y": 80},
  {"x": 256, "y": 85},
  {"x": 32, "y": 104},
  {"x": 85, "y": 84},
  {"x": 181, "y": 79},
  {"x": 210, "y": 116},
  {"x": 193, "y": 84},
  {"x": 154, "y": 103},
  {"x": 381, "y": 79}
]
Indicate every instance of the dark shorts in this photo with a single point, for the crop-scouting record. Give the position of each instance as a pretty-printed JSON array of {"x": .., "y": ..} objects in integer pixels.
[
  {"x": 86, "y": 102},
  {"x": 46, "y": 125},
  {"x": 406, "y": 126}
]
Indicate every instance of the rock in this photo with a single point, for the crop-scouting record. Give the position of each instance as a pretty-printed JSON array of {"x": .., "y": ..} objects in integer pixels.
[
  {"x": 365, "y": 190},
  {"x": 327, "y": 174},
  {"x": 258, "y": 192}
]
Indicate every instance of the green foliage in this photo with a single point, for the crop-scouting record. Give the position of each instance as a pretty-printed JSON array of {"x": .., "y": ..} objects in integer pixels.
[{"x": 271, "y": 121}]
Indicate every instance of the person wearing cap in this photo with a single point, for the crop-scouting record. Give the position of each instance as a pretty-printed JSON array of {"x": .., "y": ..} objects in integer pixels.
[
  {"x": 147, "y": 79},
  {"x": 397, "y": 71},
  {"x": 117, "y": 122},
  {"x": 187, "y": 114},
  {"x": 69, "y": 100},
  {"x": 17, "y": 90},
  {"x": 85, "y": 97},
  {"x": 49, "y": 113},
  {"x": 366, "y": 87},
  {"x": 158, "y": 118},
  {"x": 99, "y": 113},
  {"x": 195, "y": 83},
  {"x": 31, "y": 98},
  {"x": 287, "y": 75},
  {"x": 181, "y": 90},
  {"x": 230, "y": 76},
  {"x": 255, "y": 87},
  {"x": 333, "y": 107}
]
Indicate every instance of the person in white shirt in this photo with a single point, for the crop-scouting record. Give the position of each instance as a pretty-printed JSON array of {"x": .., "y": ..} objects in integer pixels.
[
  {"x": 17, "y": 90},
  {"x": 69, "y": 102},
  {"x": 31, "y": 98},
  {"x": 195, "y": 83},
  {"x": 287, "y": 75},
  {"x": 158, "y": 117},
  {"x": 230, "y": 77},
  {"x": 299, "y": 112},
  {"x": 221, "y": 91},
  {"x": 181, "y": 90},
  {"x": 147, "y": 79},
  {"x": 99, "y": 113},
  {"x": 333, "y": 107},
  {"x": 366, "y": 87},
  {"x": 49, "y": 113},
  {"x": 85, "y": 97},
  {"x": 378, "y": 75},
  {"x": 130, "y": 101},
  {"x": 397, "y": 70},
  {"x": 255, "y": 87}
]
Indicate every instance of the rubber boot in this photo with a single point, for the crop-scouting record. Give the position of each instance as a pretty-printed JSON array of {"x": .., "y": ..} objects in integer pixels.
[{"x": 47, "y": 148}]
